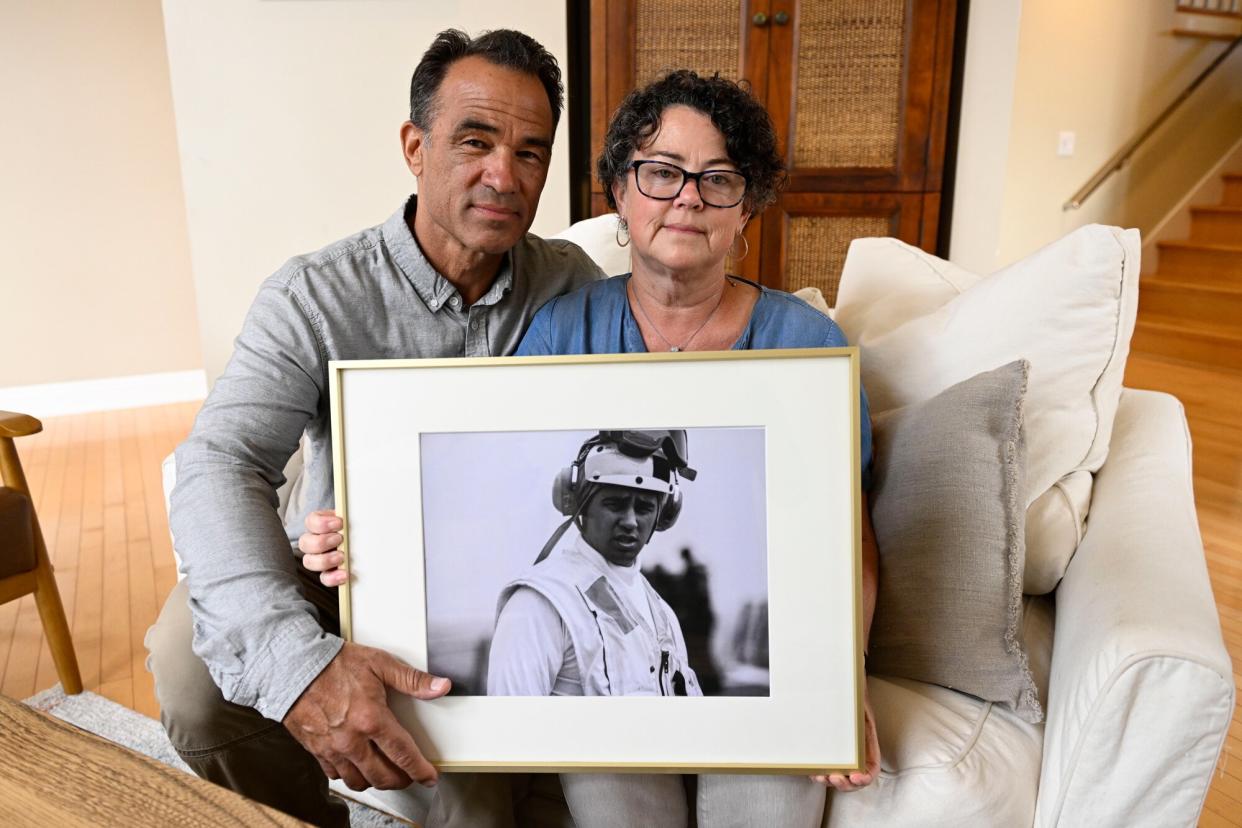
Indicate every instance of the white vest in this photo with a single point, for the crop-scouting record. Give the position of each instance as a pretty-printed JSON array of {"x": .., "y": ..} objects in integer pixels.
[{"x": 617, "y": 651}]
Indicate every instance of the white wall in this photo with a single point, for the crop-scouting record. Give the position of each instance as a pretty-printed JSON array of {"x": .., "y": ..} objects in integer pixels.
[
  {"x": 96, "y": 276},
  {"x": 287, "y": 119},
  {"x": 983, "y": 137}
]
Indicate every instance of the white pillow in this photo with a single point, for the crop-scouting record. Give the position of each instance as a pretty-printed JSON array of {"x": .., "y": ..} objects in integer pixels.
[
  {"x": 814, "y": 297},
  {"x": 885, "y": 283},
  {"x": 598, "y": 237},
  {"x": 923, "y": 324}
]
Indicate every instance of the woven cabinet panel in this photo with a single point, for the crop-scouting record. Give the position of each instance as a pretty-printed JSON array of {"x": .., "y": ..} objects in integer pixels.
[
  {"x": 687, "y": 34},
  {"x": 849, "y": 83},
  {"x": 816, "y": 246}
]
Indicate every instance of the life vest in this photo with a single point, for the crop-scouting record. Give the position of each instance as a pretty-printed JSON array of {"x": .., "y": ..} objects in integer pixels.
[{"x": 618, "y": 653}]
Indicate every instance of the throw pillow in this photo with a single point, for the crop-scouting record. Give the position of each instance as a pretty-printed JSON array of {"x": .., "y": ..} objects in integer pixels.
[
  {"x": 947, "y": 504},
  {"x": 923, "y": 324},
  {"x": 814, "y": 297},
  {"x": 598, "y": 237}
]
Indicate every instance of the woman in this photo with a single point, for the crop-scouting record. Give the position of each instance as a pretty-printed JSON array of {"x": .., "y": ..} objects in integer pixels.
[{"x": 687, "y": 162}]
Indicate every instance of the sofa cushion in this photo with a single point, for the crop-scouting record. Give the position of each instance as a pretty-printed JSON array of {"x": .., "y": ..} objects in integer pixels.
[
  {"x": 923, "y": 324},
  {"x": 17, "y": 552},
  {"x": 598, "y": 237},
  {"x": 814, "y": 297},
  {"x": 947, "y": 504},
  {"x": 949, "y": 759}
]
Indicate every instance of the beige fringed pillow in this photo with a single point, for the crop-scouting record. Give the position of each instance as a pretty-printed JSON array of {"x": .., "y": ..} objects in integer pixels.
[{"x": 949, "y": 512}]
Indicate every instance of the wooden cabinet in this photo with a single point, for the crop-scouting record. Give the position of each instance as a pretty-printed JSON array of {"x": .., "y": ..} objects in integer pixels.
[{"x": 858, "y": 91}]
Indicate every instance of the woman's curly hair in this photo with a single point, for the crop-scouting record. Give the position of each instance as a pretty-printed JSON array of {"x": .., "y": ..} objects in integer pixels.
[{"x": 749, "y": 136}]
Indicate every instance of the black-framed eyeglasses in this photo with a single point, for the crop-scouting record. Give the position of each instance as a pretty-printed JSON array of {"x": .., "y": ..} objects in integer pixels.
[{"x": 664, "y": 182}]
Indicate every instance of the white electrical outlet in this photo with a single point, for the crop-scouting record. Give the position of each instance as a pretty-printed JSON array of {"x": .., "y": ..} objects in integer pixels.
[{"x": 1065, "y": 144}]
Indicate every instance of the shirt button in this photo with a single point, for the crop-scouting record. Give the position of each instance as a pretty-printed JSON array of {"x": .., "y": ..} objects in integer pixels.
[
  {"x": 474, "y": 326},
  {"x": 455, "y": 302},
  {"x": 653, "y": 668}
]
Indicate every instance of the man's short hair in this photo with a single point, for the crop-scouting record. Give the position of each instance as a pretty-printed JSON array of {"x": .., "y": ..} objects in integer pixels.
[{"x": 501, "y": 47}]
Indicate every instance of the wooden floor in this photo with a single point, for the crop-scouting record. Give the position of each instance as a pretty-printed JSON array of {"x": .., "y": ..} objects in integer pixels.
[
  {"x": 96, "y": 482},
  {"x": 96, "y": 485}
]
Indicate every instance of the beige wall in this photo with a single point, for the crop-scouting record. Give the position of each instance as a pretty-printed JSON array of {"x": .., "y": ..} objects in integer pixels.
[
  {"x": 287, "y": 118},
  {"x": 96, "y": 275},
  {"x": 1103, "y": 69}
]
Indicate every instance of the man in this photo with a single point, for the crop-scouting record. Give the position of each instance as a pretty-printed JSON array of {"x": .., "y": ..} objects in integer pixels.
[
  {"x": 584, "y": 621},
  {"x": 274, "y": 700}
]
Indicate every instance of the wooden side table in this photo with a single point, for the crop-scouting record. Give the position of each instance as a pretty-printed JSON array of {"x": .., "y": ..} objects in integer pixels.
[{"x": 52, "y": 773}]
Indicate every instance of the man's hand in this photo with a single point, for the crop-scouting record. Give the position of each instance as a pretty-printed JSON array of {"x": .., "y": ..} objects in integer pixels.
[
  {"x": 343, "y": 719},
  {"x": 859, "y": 779},
  {"x": 318, "y": 545}
]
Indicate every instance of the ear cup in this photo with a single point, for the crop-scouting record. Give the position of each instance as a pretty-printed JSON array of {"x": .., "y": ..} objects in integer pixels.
[
  {"x": 669, "y": 511},
  {"x": 564, "y": 491}
]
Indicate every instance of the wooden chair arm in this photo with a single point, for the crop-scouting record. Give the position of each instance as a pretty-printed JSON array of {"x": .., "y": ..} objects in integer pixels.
[{"x": 18, "y": 425}]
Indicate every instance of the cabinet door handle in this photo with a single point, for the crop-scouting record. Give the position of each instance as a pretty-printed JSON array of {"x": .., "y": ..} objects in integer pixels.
[
  {"x": 760, "y": 19},
  {"x": 780, "y": 18}
]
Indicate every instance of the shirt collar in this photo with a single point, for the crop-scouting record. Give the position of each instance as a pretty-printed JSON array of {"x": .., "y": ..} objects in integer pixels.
[
  {"x": 625, "y": 574},
  {"x": 432, "y": 288}
]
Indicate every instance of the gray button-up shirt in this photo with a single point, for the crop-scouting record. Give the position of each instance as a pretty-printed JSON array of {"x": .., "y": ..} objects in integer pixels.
[{"x": 370, "y": 296}]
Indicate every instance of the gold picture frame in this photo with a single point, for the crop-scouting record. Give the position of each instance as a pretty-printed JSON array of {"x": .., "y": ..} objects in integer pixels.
[{"x": 805, "y": 401}]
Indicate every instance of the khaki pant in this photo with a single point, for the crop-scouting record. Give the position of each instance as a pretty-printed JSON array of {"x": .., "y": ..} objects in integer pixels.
[
  {"x": 238, "y": 748},
  {"x": 226, "y": 743}
]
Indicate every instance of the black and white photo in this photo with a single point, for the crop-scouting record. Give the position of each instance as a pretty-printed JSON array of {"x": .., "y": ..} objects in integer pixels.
[{"x": 612, "y": 562}]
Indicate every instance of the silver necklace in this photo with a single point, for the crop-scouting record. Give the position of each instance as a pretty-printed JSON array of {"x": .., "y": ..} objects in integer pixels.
[{"x": 683, "y": 346}]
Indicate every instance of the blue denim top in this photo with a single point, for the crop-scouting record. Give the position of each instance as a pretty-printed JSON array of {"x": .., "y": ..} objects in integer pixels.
[{"x": 596, "y": 319}]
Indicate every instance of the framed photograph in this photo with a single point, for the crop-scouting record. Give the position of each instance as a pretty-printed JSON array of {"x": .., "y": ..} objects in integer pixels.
[{"x": 638, "y": 562}]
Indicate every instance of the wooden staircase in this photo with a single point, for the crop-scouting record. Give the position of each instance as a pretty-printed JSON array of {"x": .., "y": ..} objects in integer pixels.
[{"x": 1190, "y": 311}]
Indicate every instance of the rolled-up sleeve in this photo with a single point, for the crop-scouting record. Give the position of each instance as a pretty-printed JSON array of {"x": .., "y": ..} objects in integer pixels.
[{"x": 259, "y": 637}]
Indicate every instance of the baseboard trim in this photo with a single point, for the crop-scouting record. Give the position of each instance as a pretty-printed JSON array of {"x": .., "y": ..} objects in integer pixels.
[{"x": 56, "y": 399}]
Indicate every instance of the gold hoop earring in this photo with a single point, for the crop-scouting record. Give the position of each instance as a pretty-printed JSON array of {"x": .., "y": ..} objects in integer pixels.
[
  {"x": 622, "y": 227},
  {"x": 745, "y": 248}
]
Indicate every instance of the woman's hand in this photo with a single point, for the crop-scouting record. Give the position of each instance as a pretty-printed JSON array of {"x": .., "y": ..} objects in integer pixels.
[
  {"x": 859, "y": 779},
  {"x": 318, "y": 545}
]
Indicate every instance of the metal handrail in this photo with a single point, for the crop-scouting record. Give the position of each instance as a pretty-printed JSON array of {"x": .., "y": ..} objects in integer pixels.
[{"x": 1123, "y": 155}]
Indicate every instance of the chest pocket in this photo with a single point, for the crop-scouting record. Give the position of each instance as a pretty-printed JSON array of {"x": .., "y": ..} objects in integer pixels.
[{"x": 629, "y": 655}]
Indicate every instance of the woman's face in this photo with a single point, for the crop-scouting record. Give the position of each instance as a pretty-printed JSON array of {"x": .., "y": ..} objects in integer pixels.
[{"x": 681, "y": 235}]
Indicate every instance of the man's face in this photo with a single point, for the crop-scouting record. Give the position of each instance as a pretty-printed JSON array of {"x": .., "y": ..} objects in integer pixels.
[
  {"x": 618, "y": 521},
  {"x": 482, "y": 165}
]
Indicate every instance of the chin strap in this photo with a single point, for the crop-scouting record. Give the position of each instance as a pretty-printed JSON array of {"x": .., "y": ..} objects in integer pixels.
[
  {"x": 555, "y": 539},
  {"x": 560, "y": 530}
]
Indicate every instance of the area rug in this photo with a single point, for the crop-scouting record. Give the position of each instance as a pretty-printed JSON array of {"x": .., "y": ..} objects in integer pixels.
[{"x": 106, "y": 718}]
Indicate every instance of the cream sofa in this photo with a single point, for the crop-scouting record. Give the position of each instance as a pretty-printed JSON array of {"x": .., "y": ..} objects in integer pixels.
[
  {"x": 1136, "y": 684},
  {"x": 1127, "y": 653}
]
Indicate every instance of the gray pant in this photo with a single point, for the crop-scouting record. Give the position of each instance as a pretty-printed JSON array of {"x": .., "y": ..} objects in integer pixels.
[{"x": 238, "y": 748}]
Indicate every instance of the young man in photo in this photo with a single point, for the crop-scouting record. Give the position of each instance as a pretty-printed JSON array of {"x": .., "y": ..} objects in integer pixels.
[{"x": 584, "y": 621}]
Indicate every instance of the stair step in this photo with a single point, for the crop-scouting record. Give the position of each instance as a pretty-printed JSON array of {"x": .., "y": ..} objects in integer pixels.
[
  {"x": 1229, "y": 13},
  {"x": 1233, "y": 190},
  {"x": 1221, "y": 225},
  {"x": 1200, "y": 345},
  {"x": 1202, "y": 34},
  {"x": 1204, "y": 263},
  {"x": 1191, "y": 303}
]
